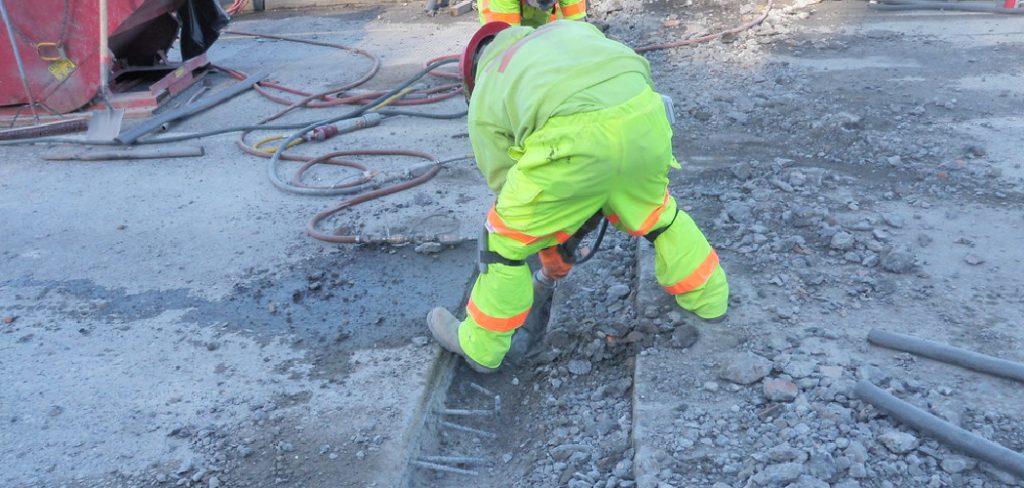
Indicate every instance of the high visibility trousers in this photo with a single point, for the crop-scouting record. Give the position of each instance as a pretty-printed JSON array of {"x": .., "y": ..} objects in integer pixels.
[{"x": 615, "y": 161}]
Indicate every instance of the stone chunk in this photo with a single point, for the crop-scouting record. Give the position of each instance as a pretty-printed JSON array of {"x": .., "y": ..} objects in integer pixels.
[
  {"x": 898, "y": 261},
  {"x": 898, "y": 442},
  {"x": 429, "y": 248},
  {"x": 580, "y": 367},
  {"x": 842, "y": 241},
  {"x": 953, "y": 464},
  {"x": 780, "y": 390},
  {"x": 745, "y": 368}
]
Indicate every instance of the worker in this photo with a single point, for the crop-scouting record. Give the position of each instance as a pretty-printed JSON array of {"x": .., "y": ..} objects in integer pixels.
[
  {"x": 532, "y": 13},
  {"x": 559, "y": 140}
]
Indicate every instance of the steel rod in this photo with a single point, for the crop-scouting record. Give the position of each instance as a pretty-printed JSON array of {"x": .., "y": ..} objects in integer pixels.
[
  {"x": 454, "y": 459},
  {"x": 133, "y": 134},
  {"x": 945, "y": 432},
  {"x": 441, "y": 467},
  {"x": 948, "y": 354},
  {"x": 466, "y": 412},
  {"x": 484, "y": 433},
  {"x": 472, "y": 385}
]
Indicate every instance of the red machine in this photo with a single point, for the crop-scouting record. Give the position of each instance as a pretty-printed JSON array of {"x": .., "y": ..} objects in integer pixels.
[{"x": 58, "y": 41}]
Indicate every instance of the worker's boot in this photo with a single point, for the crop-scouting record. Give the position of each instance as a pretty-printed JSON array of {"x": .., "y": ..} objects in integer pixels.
[{"x": 445, "y": 328}]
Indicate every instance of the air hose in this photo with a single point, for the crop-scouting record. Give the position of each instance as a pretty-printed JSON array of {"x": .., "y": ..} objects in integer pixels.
[{"x": 272, "y": 173}]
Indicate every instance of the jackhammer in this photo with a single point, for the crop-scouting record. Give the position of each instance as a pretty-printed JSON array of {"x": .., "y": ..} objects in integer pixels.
[{"x": 533, "y": 330}]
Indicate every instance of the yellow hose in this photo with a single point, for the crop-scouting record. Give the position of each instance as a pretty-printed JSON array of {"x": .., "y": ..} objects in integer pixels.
[{"x": 272, "y": 150}]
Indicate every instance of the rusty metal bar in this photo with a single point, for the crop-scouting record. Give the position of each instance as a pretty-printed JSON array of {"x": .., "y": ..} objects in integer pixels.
[{"x": 482, "y": 433}]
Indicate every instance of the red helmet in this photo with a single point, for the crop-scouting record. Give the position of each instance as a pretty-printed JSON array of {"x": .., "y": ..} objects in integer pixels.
[{"x": 467, "y": 64}]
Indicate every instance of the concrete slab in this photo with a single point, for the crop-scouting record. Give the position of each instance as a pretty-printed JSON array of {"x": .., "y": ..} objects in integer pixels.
[
  {"x": 667, "y": 381},
  {"x": 136, "y": 405}
]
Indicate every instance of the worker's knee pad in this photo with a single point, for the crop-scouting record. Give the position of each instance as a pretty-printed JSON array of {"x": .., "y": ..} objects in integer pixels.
[
  {"x": 655, "y": 233},
  {"x": 486, "y": 257}
]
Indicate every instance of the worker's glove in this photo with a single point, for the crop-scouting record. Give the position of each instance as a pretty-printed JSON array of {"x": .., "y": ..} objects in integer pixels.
[{"x": 554, "y": 265}]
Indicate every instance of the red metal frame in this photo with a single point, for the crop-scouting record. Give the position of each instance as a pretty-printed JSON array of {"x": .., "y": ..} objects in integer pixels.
[
  {"x": 59, "y": 43},
  {"x": 137, "y": 104}
]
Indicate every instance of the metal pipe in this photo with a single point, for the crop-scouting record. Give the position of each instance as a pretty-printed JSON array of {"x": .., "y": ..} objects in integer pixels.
[
  {"x": 484, "y": 433},
  {"x": 441, "y": 467},
  {"x": 454, "y": 459},
  {"x": 17, "y": 60},
  {"x": 948, "y": 354},
  {"x": 119, "y": 154},
  {"x": 472, "y": 385},
  {"x": 132, "y": 135},
  {"x": 466, "y": 412},
  {"x": 945, "y": 432}
]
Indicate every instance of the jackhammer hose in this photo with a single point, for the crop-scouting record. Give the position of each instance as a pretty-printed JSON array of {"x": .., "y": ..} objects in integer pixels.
[
  {"x": 217, "y": 132},
  {"x": 272, "y": 163},
  {"x": 327, "y": 98},
  {"x": 430, "y": 172},
  {"x": 945, "y": 432},
  {"x": 597, "y": 243}
]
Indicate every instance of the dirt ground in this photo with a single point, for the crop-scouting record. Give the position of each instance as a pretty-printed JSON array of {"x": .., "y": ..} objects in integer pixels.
[{"x": 173, "y": 326}]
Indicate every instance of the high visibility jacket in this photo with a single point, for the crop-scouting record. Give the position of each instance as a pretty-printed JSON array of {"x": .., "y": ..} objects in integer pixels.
[
  {"x": 517, "y": 12},
  {"x": 513, "y": 98}
]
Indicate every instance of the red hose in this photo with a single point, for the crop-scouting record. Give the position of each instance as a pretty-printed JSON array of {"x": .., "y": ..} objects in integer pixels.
[
  {"x": 329, "y": 98},
  {"x": 236, "y": 7},
  {"x": 311, "y": 226}
]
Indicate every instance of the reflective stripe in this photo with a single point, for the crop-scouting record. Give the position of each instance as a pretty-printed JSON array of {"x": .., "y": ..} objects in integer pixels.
[
  {"x": 574, "y": 9},
  {"x": 698, "y": 277},
  {"x": 497, "y": 226},
  {"x": 491, "y": 16},
  {"x": 647, "y": 224},
  {"x": 495, "y": 324}
]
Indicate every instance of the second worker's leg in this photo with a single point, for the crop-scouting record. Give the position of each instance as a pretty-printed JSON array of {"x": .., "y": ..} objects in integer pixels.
[{"x": 688, "y": 268}]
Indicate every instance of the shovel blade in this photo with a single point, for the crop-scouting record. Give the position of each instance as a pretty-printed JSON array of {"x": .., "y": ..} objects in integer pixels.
[{"x": 104, "y": 125}]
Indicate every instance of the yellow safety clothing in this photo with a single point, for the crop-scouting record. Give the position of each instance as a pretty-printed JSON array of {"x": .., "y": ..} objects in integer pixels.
[
  {"x": 517, "y": 12},
  {"x": 559, "y": 140}
]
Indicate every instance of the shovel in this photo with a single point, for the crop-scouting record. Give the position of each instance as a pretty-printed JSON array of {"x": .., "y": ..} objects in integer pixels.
[{"x": 104, "y": 125}]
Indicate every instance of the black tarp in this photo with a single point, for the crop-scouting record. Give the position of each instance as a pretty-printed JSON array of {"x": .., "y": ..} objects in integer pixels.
[{"x": 201, "y": 22}]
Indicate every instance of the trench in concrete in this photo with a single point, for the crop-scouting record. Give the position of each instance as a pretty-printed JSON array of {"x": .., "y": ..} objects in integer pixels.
[{"x": 540, "y": 434}]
